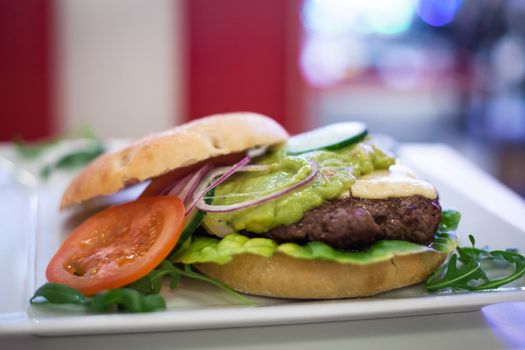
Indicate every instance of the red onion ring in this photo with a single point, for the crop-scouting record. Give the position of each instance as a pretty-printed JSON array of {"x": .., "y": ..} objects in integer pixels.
[
  {"x": 217, "y": 182},
  {"x": 250, "y": 154},
  {"x": 183, "y": 190},
  {"x": 255, "y": 167},
  {"x": 175, "y": 189},
  {"x": 190, "y": 186},
  {"x": 201, "y": 204}
]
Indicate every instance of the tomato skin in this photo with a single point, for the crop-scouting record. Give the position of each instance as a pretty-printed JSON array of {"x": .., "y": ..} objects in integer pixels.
[{"x": 118, "y": 245}]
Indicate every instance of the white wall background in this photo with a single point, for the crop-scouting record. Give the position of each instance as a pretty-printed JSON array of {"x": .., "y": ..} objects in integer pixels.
[{"x": 119, "y": 65}]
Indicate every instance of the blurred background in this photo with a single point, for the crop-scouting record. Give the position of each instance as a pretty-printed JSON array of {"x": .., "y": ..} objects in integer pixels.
[{"x": 450, "y": 71}]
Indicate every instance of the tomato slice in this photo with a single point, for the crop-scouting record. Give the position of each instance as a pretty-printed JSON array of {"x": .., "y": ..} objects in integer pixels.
[{"x": 118, "y": 245}]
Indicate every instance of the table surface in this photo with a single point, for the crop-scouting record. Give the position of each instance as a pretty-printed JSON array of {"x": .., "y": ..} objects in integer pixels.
[{"x": 499, "y": 326}]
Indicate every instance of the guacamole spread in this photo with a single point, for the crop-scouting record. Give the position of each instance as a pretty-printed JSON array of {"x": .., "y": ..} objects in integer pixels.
[{"x": 338, "y": 170}]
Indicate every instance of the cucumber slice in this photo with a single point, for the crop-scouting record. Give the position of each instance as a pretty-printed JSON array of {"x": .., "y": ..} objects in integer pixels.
[{"x": 334, "y": 136}]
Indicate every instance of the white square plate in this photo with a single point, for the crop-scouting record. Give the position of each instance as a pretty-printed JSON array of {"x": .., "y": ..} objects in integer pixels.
[{"x": 32, "y": 231}]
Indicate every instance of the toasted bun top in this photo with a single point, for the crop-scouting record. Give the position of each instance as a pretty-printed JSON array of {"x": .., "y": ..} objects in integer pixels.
[{"x": 179, "y": 147}]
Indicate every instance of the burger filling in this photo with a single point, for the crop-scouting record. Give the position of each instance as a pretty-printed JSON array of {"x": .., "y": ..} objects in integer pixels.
[
  {"x": 360, "y": 196},
  {"x": 355, "y": 223}
]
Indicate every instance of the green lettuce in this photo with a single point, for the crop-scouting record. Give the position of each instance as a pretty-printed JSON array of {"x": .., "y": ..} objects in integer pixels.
[
  {"x": 221, "y": 251},
  {"x": 208, "y": 249}
]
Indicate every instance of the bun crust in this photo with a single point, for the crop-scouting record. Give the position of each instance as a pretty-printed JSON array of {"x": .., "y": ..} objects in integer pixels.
[
  {"x": 180, "y": 147},
  {"x": 286, "y": 277}
]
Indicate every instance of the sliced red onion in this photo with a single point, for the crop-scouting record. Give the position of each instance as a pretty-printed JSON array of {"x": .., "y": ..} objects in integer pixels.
[
  {"x": 187, "y": 191},
  {"x": 186, "y": 187},
  {"x": 175, "y": 189},
  {"x": 255, "y": 167},
  {"x": 231, "y": 195},
  {"x": 248, "y": 168},
  {"x": 202, "y": 205},
  {"x": 217, "y": 182}
]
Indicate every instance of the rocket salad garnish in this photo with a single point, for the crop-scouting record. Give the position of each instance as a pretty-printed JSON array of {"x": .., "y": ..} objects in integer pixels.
[
  {"x": 152, "y": 283},
  {"x": 471, "y": 268},
  {"x": 140, "y": 296},
  {"x": 118, "y": 299},
  {"x": 473, "y": 274},
  {"x": 90, "y": 148}
]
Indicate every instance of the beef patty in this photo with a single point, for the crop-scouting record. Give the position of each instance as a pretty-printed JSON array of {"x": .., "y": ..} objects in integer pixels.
[{"x": 355, "y": 223}]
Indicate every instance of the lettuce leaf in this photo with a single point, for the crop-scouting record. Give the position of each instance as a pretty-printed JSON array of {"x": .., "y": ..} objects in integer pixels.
[
  {"x": 213, "y": 250},
  {"x": 209, "y": 249}
]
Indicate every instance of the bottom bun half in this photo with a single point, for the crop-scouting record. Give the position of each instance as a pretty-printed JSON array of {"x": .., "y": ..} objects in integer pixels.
[{"x": 286, "y": 277}]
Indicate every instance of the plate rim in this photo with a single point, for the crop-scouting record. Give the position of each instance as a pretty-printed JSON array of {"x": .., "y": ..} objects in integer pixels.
[
  {"x": 214, "y": 317},
  {"x": 267, "y": 315}
]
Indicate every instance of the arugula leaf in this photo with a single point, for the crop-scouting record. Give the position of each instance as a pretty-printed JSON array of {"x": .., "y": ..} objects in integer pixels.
[
  {"x": 119, "y": 299},
  {"x": 70, "y": 160},
  {"x": 127, "y": 300},
  {"x": 140, "y": 296},
  {"x": 34, "y": 150},
  {"x": 151, "y": 283},
  {"x": 471, "y": 274},
  {"x": 56, "y": 293},
  {"x": 471, "y": 268},
  {"x": 188, "y": 272},
  {"x": 74, "y": 159}
]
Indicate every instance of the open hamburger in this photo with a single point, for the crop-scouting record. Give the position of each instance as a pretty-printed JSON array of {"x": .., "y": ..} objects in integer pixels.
[{"x": 323, "y": 215}]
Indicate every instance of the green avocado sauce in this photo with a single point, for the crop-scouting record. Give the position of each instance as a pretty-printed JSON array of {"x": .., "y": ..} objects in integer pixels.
[{"x": 338, "y": 170}]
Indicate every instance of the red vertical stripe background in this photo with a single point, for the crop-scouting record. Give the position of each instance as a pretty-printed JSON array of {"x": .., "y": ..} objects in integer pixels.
[
  {"x": 239, "y": 58},
  {"x": 242, "y": 55},
  {"x": 26, "y": 43}
]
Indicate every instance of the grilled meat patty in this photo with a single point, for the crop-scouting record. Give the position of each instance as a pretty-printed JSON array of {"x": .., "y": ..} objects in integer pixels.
[{"x": 354, "y": 223}]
